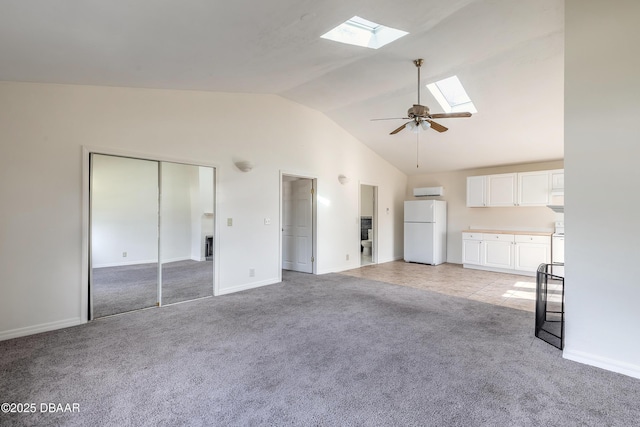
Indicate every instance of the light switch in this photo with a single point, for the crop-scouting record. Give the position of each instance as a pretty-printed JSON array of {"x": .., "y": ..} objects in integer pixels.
[
  {"x": 267, "y": 221},
  {"x": 229, "y": 222}
]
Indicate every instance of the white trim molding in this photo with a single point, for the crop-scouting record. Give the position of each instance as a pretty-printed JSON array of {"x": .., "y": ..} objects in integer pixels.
[
  {"x": 43, "y": 327},
  {"x": 247, "y": 286},
  {"x": 603, "y": 362}
]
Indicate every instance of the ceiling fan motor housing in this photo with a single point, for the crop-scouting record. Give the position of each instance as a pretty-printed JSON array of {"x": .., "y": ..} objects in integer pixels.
[{"x": 418, "y": 111}]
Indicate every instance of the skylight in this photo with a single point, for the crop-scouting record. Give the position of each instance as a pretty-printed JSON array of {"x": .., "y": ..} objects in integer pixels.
[
  {"x": 451, "y": 96},
  {"x": 361, "y": 32}
]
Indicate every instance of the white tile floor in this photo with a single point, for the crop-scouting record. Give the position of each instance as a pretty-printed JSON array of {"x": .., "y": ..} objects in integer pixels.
[{"x": 509, "y": 290}]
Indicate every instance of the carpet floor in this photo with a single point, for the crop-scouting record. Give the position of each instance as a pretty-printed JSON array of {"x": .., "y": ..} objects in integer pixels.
[
  {"x": 132, "y": 287},
  {"x": 330, "y": 350}
]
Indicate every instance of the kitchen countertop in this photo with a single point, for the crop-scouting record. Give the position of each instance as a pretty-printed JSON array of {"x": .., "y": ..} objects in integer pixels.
[{"x": 528, "y": 233}]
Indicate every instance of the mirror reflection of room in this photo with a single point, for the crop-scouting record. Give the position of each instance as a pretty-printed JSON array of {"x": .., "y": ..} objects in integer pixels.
[
  {"x": 124, "y": 234},
  {"x": 186, "y": 232},
  {"x": 130, "y": 200}
]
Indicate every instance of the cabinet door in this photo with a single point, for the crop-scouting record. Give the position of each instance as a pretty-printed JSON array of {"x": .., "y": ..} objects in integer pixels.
[
  {"x": 472, "y": 252},
  {"x": 498, "y": 254},
  {"x": 501, "y": 189},
  {"x": 557, "y": 249},
  {"x": 533, "y": 188},
  {"x": 476, "y": 191},
  {"x": 528, "y": 256},
  {"x": 557, "y": 180}
]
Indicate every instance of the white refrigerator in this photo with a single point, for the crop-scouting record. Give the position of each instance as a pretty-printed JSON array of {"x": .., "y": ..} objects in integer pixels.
[{"x": 425, "y": 231}]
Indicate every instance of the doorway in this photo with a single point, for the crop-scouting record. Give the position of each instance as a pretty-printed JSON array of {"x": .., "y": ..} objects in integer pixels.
[
  {"x": 151, "y": 228},
  {"x": 368, "y": 224},
  {"x": 298, "y": 223}
]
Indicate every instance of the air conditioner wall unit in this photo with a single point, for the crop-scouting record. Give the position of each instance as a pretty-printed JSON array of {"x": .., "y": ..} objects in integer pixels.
[{"x": 428, "y": 191}]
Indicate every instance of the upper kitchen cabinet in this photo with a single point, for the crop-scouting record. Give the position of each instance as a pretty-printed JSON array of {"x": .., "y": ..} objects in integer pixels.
[
  {"x": 534, "y": 188},
  {"x": 476, "y": 191},
  {"x": 515, "y": 189},
  {"x": 501, "y": 189},
  {"x": 557, "y": 180}
]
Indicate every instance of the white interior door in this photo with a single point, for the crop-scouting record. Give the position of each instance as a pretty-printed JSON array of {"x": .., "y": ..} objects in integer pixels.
[{"x": 297, "y": 225}]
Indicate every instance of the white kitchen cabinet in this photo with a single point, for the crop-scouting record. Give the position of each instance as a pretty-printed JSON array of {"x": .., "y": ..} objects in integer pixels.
[
  {"x": 534, "y": 188},
  {"x": 472, "y": 248},
  {"x": 498, "y": 250},
  {"x": 557, "y": 254},
  {"x": 531, "y": 251},
  {"x": 557, "y": 180},
  {"x": 476, "y": 191},
  {"x": 501, "y": 189},
  {"x": 516, "y": 253},
  {"x": 515, "y": 189}
]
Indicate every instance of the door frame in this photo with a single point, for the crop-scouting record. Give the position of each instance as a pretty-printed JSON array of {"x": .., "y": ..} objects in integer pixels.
[
  {"x": 85, "y": 297},
  {"x": 374, "y": 219},
  {"x": 314, "y": 218}
]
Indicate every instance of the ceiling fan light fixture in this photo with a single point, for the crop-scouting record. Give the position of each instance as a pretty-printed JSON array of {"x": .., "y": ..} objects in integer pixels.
[{"x": 420, "y": 116}]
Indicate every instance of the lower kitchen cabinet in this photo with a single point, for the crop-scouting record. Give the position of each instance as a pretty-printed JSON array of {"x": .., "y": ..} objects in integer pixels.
[
  {"x": 472, "y": 249},
  {"x": 531, "y": 251},
  {"x": 498, "y": 250},
  {"x": 507, "y": 253}
]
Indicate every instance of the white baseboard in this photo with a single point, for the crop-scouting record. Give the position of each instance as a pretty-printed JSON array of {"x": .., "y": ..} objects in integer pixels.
[
  {"x": 385, "y": 260},
  {"x": 500, "y": 270},
  {"x": 120, "y": 264},
  {"x": 603, "y": 362},
  {"x": 36, "y": 329},
  {"x": 248, "y": 286},
  {"x": 150, "y": 261}
]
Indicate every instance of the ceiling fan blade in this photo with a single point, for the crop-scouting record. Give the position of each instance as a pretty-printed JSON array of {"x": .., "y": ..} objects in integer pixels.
[
  {"x": 437, "y": 126},
  {"x": 449, "y": 115},
  {"x": 392, "y": 118},
  {"x": 399, "y": 129}
]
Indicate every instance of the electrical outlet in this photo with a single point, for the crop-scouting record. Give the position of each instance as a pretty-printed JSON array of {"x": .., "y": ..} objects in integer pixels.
[
  {"x": 252, "y": 272},
  {"x": 124, "y": 254},
  {"x": 229, "y": 222},
  {"x": 347, "y": 257}
]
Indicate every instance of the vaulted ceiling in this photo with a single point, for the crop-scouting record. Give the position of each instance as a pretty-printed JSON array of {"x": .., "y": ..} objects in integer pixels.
[{"x": 509, "y": 55}]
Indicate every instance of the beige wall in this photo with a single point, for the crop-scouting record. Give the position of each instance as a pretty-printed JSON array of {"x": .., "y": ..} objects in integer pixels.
[
  {"x": 602, "y": 177},
  {"x": 460, "y": 217},
  {"x": 43, "y": 129}
]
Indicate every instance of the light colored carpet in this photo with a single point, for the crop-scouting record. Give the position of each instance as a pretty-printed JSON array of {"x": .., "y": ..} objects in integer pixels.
[{"x": 329, "y": 350}]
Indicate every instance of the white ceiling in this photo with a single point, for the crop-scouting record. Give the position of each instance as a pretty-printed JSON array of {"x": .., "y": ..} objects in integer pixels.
[{"x": 509, "y": 55}]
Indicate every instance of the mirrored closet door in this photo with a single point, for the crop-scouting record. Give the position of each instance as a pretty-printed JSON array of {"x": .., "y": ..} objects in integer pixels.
[
  {"x": 186, "y": 232},
  {"x": 151, "y": 233}
]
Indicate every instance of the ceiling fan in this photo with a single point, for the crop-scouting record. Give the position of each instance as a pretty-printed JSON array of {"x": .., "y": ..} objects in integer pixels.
[{"x": 419, "y": 115}]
